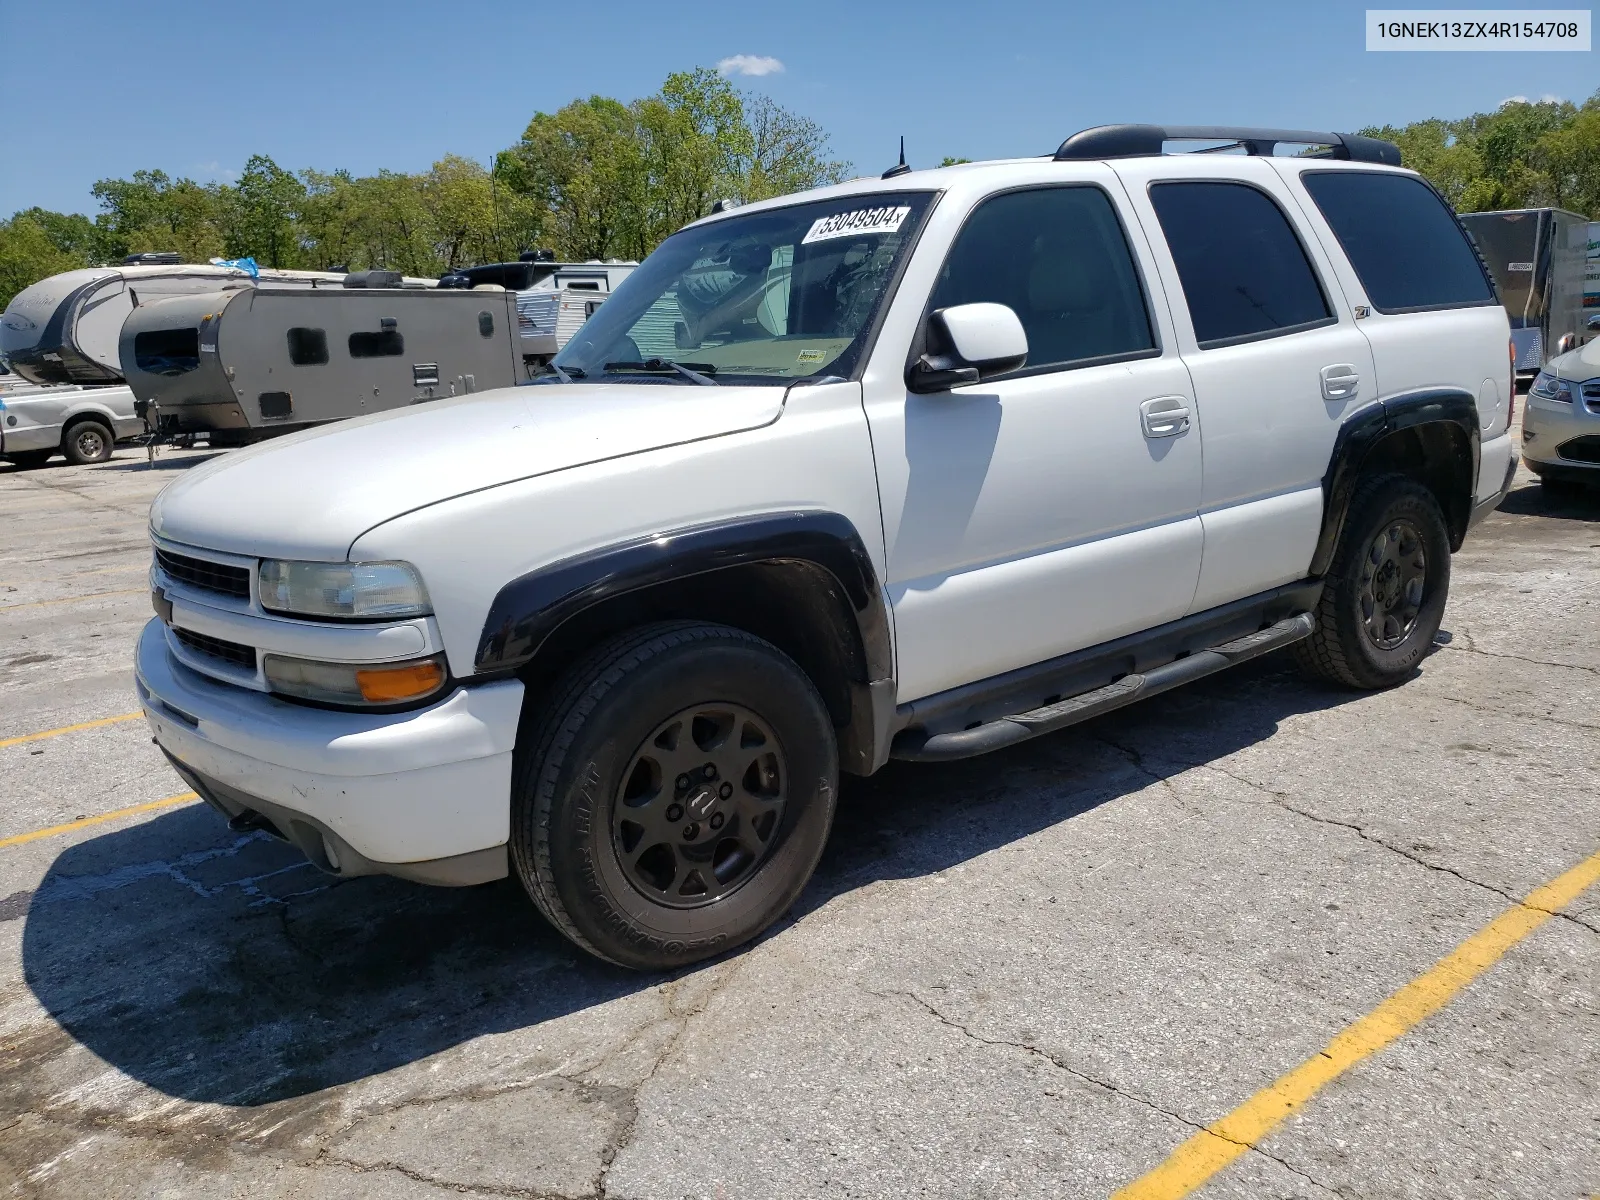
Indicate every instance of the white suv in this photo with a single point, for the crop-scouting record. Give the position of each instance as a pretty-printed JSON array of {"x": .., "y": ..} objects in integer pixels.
[{"x": 913, "y": 467}]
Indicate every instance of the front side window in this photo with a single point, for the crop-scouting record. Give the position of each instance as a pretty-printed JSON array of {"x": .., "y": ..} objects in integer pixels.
[
  {"x": 761, "y": 298},
  {"x": 1406, "y": 248},
  {"x": 1244, "y": 273},
  {"x": 167, "y": 351},
  {"x": 1058, "y": 258}
]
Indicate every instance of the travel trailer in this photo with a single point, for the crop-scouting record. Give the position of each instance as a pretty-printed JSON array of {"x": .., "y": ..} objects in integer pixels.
[
  {"x": 66, "y": 329},
  {"x": 1537, "y": 257},
  {"x": 553, "y": 298},
  {"x": 245, "y": 363}
]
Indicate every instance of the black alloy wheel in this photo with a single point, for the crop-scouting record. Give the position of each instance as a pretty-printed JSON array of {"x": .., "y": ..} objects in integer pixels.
[
  {"x": 699, "y": 805},
  {"x": 1385, "y": 591},
  {"x": 672, "y": 793},
  {"x": 1393, "y": 574}
]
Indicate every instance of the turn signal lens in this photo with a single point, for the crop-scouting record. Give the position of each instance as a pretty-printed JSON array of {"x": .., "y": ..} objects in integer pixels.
[
  {"x": 392, "y": 685},
  {"x": 353, "y": 685}
]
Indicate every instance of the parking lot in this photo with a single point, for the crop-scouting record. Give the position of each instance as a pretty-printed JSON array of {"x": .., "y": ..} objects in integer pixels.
[{"x": 1035, "y": 974}]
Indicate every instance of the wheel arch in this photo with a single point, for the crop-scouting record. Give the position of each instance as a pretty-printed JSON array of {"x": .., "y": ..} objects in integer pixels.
[
  {"x": 1431, "y": 436},
  {"x": 802, "y": 580}
]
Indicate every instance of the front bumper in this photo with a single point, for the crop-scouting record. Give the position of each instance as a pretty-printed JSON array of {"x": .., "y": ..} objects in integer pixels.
[
  {"x": 1548, "y": 426},
  {"x": 424, "y": 795}
]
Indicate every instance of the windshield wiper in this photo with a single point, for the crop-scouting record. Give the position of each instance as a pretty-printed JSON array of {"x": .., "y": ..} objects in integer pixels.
[
  {"x": 566, "y": 376},
  {"x": 701, "y": 372}
]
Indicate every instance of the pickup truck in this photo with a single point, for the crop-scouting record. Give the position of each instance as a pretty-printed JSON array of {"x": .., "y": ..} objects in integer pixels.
[
  {"x": 82, "y": 423},
  {"x": 912, "y": 468}
]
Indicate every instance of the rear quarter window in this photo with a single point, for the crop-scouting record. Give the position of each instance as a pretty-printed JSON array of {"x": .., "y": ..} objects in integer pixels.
[{"x": 1405, "y": 244}]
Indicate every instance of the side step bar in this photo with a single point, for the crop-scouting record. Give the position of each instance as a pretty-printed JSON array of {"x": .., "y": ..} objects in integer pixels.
[{"x": 1008, "y": 731}]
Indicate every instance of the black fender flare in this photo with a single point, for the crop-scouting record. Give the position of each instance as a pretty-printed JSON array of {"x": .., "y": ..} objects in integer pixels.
[
  {"x": 530, "y": 608},
  {"x": 1362, "y": 432}
]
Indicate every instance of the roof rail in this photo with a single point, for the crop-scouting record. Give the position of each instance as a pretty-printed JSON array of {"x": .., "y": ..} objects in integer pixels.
[{"x": 1138, "y": 141}]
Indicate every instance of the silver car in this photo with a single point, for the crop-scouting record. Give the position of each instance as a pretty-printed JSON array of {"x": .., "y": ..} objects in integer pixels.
[
  {"x": 82, "y": 423},
  {"x": 1561, "y": 425}
]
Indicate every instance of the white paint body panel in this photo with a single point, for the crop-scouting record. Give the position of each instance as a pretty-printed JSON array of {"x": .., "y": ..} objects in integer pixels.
[
  {"x": 1025, "y": 518},
  {"x": 310, "y": 495},
  {"x": 1268, "y": 431},
  {"x": 817, "y": 456},
  {"x": 1461, "y": 348},
  {"x": 399, "y": 787}
]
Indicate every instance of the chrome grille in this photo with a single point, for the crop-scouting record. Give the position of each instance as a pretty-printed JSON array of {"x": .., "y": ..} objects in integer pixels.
[
  {"x": 1591, "y": 395},
  {"x": 208, "y": 576},
  {"x": 228, "y": 652}
]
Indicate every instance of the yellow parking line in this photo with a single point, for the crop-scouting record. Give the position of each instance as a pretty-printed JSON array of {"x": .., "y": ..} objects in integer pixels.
[
  {"x": 132, "y": 811},
  {"x": 73, "y": 599},
  {"x": 50, "y": 733},
  {"x": 1213, "y": 1148}
]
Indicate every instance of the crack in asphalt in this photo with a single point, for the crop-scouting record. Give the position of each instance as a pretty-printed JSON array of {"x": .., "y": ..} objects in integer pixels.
[
  {"x": 1281, "y": 799},
  {"x": 1519, "y": 716},
  {"x": 1472, "y": 647},
  {"x": 1110, "y": 1088}
]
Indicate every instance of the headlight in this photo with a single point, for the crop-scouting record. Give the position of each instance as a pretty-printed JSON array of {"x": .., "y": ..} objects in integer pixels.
[
  {"x": 359, "y": 684},
  {"x": 1548, "y": 387},
  {"x": 348, "y": 591}
]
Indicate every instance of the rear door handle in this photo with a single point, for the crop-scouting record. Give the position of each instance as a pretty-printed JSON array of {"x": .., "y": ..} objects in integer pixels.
[
  {"x": 1340, "y": 381},
  {"x": 1165, "y": 416}
]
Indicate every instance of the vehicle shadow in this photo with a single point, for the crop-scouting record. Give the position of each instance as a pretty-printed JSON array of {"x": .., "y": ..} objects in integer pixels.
[
  {"x": 221, "y": 968},
  {"x": 1536, "y": 500},
  {"x": 160, "y": 464}
]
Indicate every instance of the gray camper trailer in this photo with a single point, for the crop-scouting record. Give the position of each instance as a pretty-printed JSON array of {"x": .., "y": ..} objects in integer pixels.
[
  {"x": 1537, "y": 258},
  {"x": 252, "y": 362},
  {"x": 65, "y": 329}
]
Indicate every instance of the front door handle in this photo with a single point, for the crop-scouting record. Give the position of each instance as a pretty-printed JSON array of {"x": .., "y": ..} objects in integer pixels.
[
  {"x": 1165, "y": 416},
  {"x": 1340, "y": 381}
]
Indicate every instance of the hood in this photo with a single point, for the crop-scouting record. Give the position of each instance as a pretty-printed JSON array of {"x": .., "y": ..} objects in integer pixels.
[
  {"x": 310, "y": 495},
  {"x": 1578, "y": 366}
]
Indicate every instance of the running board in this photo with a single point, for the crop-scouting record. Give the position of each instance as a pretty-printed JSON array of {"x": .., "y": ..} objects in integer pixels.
[{"x": 1007, "y": 731}]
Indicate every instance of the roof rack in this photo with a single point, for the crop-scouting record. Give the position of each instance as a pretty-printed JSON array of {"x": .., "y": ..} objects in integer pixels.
[{"x": 1138, "y": 141}]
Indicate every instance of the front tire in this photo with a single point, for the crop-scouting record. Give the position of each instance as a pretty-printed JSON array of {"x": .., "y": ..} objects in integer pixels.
[
  {"x": 675, "y": 796},
  {"x": 1386, "y": 590}
]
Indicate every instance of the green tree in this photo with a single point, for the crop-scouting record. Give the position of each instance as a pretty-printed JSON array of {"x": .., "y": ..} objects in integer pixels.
[
  {"x": 263, "y": 214},
  {"x": 29, "y": 252}
]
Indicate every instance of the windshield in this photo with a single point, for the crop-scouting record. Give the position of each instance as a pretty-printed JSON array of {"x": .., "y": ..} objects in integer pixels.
[{"x": 765, "y": 298}]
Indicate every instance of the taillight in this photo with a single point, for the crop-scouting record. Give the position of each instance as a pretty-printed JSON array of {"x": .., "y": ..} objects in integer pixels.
[{"x": 1511, "y": 404}]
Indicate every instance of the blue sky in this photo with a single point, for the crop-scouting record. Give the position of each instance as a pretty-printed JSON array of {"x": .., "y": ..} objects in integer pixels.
[{"x": 195, "y": 89}]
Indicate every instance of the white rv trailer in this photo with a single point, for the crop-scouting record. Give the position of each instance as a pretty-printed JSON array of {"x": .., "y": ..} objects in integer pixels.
[
  {"x": 65, "y": 329},
  {"x": 554, "y": 299}
]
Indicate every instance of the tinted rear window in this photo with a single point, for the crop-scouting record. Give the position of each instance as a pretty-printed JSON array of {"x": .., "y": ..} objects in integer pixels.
[
  {"x": 1405, "y": 245},
  {"x": 1245, "y": 274}
]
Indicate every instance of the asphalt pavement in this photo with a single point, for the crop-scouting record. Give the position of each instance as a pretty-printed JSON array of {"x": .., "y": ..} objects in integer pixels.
[{"x": 1035, "y": 974}]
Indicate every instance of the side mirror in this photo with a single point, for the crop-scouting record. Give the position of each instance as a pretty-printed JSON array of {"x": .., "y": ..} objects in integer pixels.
[{"x": 968, "y": 343}]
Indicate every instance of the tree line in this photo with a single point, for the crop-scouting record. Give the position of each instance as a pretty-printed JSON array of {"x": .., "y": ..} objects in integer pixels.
[{"x": 601, "y": 178}]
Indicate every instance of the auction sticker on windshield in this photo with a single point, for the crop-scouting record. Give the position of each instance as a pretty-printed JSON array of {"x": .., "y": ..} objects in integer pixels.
[{"x": 884, "y": 219}]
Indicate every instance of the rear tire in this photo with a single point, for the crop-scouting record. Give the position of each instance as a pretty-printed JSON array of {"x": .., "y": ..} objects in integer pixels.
[
  {"x": 675, "y": 794},
  {"x": 1385, "y": 593},
  {"x": 87, "y": 442},
  {"x": 31, "y": 460}
]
